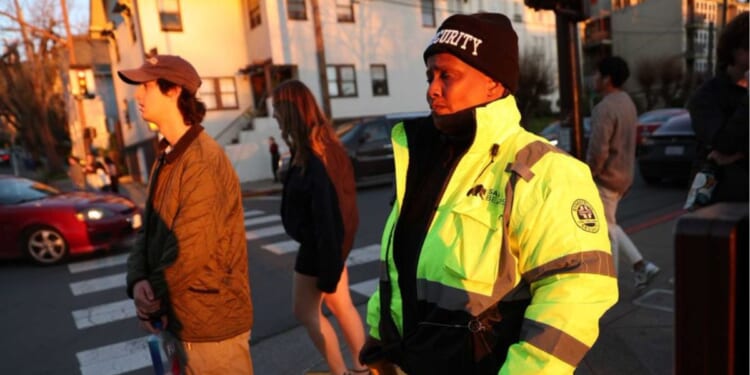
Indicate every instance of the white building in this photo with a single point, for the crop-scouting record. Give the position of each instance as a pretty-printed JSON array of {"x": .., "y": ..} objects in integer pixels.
[{"x": 244, "y": 48}]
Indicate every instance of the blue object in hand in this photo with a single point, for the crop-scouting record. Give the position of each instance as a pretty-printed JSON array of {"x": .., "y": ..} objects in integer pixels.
[{"x": 153, "y": 348}]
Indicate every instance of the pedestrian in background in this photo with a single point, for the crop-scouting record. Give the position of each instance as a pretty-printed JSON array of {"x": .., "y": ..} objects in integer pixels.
[
  {"x": 719, "y": 114},
  {"x": 75, "y": 173},
  {"x": 273, "y": 149},
  {"x": 97, "y": 178},
  {"x": 319, "y": 210},
  {"x": 611, "y": 157},
  {"x": 188, "y": 272},
  {"x": 113, "y": 173},
  {"x": 495, "y": 257}
]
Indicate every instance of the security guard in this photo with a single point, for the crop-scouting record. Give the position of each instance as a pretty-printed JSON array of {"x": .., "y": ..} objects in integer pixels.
[{"x": 495, "y": 257}]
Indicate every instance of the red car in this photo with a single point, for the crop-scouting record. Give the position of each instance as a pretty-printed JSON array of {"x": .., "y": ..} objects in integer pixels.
[
  {"x": 46, "y": 225},
  {"x": 651, "y": 120}
]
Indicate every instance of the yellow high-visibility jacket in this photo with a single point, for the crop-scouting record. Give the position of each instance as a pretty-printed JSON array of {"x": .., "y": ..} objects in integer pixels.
[{"x": 555, "y": 248}]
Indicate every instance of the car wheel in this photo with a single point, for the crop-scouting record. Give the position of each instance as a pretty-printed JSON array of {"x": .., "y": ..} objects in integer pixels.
[{"x": 45, "y": 245}]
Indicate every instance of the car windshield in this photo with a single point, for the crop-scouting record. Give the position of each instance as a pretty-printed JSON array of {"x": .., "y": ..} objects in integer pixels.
[{"x": 20, "y": 190}]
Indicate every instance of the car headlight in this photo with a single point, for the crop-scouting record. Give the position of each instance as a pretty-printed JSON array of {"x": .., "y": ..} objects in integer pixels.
[{"x": 93, "y": 214}]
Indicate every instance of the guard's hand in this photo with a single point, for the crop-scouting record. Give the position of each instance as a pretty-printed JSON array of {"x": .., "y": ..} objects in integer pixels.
[{"x": 143, "y": 297}]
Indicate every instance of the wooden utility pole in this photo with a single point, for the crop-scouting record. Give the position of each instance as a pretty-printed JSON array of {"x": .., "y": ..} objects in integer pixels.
[
  {"x": 321, "y": 56},
  {"x": 570, "y": 80}
]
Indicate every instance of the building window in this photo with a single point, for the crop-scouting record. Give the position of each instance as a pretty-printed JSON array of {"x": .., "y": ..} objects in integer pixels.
[
  {"x": 342, "y": 81},
  {"x": 379, "y": 77},
  {"x": 344, "y": 11},
  {"x": 254, "y": 6},
  {"x": 517, "y": 13},
  {"x": 218, "y": 93},
  {"x": 296, "y": 9},
  {"x": 169, "y": 15},
  {"x": 428, "y": 13}
]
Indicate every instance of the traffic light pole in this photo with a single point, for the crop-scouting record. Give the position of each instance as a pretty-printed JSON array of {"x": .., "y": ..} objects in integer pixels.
[{"x": 570, "y": 80}]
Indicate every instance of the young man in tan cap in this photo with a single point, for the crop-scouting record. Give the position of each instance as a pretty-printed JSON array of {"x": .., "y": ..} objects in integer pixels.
[
  {"x": 188, "y": 273},
  {"x": 495, "y": 256}
]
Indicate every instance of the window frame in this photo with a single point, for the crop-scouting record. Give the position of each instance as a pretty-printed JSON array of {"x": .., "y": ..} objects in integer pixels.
[
  {"x": 384, "y": 79},
  {"x": 349, "y": 6},
  {"x": 424, "y": 5},
  {"x": 168, "y": 27},
  {"x": 300, "y": 16},
  {"x": 339, "y": 81},
  {"x": 215, "y": 83}
]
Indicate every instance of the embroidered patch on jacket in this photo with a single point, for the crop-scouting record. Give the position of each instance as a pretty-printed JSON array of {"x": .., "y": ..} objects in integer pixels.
[{"x": 584, "y": 216}]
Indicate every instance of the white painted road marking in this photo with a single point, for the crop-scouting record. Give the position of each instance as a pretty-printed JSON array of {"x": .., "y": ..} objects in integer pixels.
[
  {"x": 251, "y": 213},
  {"x": 283, "y": 247},
  {"x": 365, "y": 288},
  {"x": 262, "y": 220},
  {"x": 363, "y": 255},
  {"x": 98, "y": 284},
  {"x": 104, "y": 314},
  {"x": 116, "y": 358},
  {"x": 90, "y": 265},
  {"x": 264, "y": 232}
]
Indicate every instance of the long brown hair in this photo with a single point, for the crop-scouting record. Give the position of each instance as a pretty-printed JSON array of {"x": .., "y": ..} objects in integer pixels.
[{"x": 306, "y": 131}]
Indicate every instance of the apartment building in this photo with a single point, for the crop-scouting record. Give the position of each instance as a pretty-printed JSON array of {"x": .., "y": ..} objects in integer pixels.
[
  {"x": 372, "y": 51},
  {"x": 641, "y": 30}
]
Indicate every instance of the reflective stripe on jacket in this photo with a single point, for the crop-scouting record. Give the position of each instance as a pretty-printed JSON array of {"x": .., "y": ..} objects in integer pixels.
[{"x": 557, "y": 245}]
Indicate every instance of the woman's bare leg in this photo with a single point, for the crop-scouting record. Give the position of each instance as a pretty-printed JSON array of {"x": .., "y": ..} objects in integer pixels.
[{"x": 307, "y": 300}]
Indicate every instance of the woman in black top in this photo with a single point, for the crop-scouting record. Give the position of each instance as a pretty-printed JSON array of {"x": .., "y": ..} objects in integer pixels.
[{"x": 319, "y": 211}]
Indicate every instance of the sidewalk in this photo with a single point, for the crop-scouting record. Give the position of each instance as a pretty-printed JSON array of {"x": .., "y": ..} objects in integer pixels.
[{"x": 637, "y": 334}]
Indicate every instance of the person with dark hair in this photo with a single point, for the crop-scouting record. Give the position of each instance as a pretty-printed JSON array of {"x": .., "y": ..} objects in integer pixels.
[
  {"x": 97, "y": 178},
  {"x": 114, "y": 175},
  {"x": 319, "y": 210},
  {"x": 719, "y": 115},
  {"x": 188, "y": 271},
  {"x": 611, "y": 157},
  {"x": 495, "y": 257},
  {"x": 273, "y": 149}
]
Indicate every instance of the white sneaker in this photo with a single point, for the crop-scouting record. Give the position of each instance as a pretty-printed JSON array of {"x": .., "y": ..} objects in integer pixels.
[{"x": 643, "y": 276}]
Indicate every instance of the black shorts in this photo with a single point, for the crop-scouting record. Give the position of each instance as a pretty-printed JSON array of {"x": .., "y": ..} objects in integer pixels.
[{"x": 307, "y": 261}]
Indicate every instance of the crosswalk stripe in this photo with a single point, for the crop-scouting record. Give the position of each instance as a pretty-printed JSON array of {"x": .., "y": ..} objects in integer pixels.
[
  {"x": 103, "y": 314},
  {"x": 365, "y": 288},
  {"x": 261, "y": 220},
  {"x": 363, "y": 255},
  {"x": 116, "y": 358},
  {"x": 250, "y": 213},
  {"x": 98, "y": 284},
  {"x": 264, "y": 232},
  {"x": 90, "y": 265},
  {"x": 283, "y": 247}
]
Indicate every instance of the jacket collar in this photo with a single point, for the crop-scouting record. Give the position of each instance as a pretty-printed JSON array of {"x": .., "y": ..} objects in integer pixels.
[
  {"x": 182, "y": 144},
  {"x": 495, "y": 122}
]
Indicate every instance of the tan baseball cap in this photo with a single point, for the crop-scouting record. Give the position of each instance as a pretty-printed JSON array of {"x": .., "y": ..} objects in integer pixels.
[{"x": 174, "y": 69}]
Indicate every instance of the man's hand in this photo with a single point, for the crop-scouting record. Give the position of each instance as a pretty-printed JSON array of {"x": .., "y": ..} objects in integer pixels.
[
  {"x": 145, "y": 304},
  {"x": 724, "y": 159}
]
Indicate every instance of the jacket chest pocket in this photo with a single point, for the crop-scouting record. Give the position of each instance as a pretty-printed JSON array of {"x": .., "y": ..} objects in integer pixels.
[{"x": 473, "y": 236}]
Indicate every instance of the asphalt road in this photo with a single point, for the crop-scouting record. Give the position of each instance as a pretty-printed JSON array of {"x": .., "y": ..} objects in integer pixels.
[{"x": 75, "y": 318}]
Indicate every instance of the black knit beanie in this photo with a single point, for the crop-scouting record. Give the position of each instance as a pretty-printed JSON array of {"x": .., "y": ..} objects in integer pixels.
[{"x": 486, "y": 41}]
